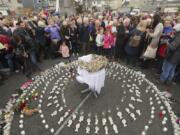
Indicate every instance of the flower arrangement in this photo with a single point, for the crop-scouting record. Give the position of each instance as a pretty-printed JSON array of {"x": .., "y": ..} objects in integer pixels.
[
  {"x": 26, "y": 84},
  {"x": 97, "y": 63},
  {"x": 23, "y": 101}
]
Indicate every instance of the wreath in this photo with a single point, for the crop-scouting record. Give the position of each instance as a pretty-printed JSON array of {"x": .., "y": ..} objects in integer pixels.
[{"x": 97, "y": 63}]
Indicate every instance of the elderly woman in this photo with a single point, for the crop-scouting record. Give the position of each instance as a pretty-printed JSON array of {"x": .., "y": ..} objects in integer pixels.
[
  {"x": 155, "y": 34},
  {"x": 158, "y": 30},
  {"x": 132, "y": 49},
  {"x": 41, "y": 39},
  {"x": 53, "y": 29},
  {"x": 120, "y": 38},
  {"x": 54, "y": 33},
  {"x": 65, "y": 31}
]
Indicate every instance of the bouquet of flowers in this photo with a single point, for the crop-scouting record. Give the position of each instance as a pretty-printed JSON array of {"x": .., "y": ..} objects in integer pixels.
[{"x": 97, "y": 63}]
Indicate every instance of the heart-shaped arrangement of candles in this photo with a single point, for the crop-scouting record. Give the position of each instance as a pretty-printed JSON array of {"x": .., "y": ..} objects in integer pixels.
[{"x": 129, "y": 104}]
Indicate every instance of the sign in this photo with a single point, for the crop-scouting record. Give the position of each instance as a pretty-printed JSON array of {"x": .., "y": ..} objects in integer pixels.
[{"x": 171, "y": 10}]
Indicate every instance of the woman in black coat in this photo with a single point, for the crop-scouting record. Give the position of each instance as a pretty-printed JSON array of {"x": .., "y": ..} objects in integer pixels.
[
  {"x": 74, "y": 37},
  {"x": 41, "y": 40},
  {"x": 119, "y": 54}
]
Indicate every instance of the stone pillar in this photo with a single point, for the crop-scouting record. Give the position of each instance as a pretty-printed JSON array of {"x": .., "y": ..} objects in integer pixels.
[{"x": 57, "y": 6}]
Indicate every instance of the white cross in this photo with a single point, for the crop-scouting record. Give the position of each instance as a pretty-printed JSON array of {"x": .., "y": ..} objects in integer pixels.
[
  {"x": 111, "y": 120},
  {"x": 115, "y": 129},
  {"x": 106, "y": 130},
  {"x": 70, "y": 123},
  {"x": 77, "y": 127},
  {"x": 89, "y": 121},
  {"x": 87, "y": 130},
  {"x": 124, "y": 123},
  {"x": 104, "y": 121},
  {"x": 96, "y": 130},
  {"x": 61, "y": 120},
  {"x": 81, "y": 118},
  {"x": 119, "y": 114}
]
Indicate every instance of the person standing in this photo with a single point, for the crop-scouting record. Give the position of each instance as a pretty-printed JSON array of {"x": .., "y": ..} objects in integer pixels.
[
  {"x": 74, "y": 37},
  {"x": 24, "y": 32},
  {"x": 65, "y": 31},
  {"x": 108, "y": 42},
  {"x": 172, "y": 58},
  {"x": 99, "y": 40},
  {"x": 120, "y": 40},
  {"x": 84, "y": 36},
  {"x": 167, "y": 34},
  {"x": 41, "y": 39},
  {"x": 54, "y": 32},
  {"x": 133, "y": 46},
  {"x": 155, "y": 35}
]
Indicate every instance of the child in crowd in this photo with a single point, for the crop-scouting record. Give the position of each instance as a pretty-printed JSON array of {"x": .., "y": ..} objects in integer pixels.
[
  {"x": 64, "y": 50},
  {"x": 108, "y": 41},
  {"x": 100, "y": 40}
]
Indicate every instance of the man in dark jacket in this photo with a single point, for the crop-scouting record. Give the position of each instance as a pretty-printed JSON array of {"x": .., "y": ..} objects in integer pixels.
[
  {"x": 84, "y": 36},
  {"x": 28, "y": 41},
  {"x": 172, "y": 58}
]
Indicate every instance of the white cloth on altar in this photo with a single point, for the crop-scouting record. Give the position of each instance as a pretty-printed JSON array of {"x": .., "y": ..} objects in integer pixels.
[
  {"x": 86, "y": 58},
  {"x": 95, "y": 80}
]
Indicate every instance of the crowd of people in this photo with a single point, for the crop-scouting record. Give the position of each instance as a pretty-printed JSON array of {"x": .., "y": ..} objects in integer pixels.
[{"x": 140, "y": 41}]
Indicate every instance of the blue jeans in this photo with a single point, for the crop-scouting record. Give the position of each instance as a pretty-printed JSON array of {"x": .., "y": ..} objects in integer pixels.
[
  {"x": 33, "y": 57},
  {"x": 9, "y": 58},
  {"x": 168, "y": 71},
  {"x": 34, "y": 60}
]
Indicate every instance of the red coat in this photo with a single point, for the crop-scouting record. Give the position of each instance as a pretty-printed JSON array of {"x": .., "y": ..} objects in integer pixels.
[
  {"x": 162, "y": 50},
  {"x": 108, "y": 41},
  {"x": 5, "y": 40}
]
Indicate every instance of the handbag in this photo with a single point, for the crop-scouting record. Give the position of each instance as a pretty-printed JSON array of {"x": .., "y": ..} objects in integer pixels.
[
  {"x": 150, "y": 52},
  {"x": 90, "y": 38}
]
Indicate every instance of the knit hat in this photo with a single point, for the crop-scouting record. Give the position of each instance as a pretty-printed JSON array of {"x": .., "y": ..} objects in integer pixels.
[{"x": 168, "y": 18}]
